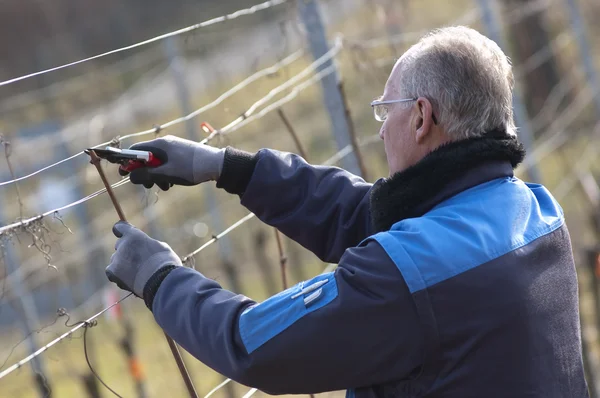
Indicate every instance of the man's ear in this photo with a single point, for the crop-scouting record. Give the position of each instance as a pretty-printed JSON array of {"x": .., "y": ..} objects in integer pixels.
[{"x": 424, "y": 119}]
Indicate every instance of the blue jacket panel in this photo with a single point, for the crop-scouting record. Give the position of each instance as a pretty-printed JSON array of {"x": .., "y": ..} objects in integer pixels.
[{"x": 470, "y": 229}]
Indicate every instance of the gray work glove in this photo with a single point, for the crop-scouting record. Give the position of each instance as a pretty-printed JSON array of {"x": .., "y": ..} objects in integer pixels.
[
  {"x": 137, "y": 258},
  {"x": 184, "y": 162}
]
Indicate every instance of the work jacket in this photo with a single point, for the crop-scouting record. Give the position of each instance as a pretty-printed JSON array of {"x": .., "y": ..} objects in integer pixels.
[{"x": 454, "y": 279}]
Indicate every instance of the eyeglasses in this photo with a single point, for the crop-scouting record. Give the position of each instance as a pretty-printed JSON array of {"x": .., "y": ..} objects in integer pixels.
[{"x": 380, "y": 110}]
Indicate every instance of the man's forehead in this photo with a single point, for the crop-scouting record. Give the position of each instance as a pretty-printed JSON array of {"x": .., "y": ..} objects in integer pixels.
[
  {"x": 397, "y": 66},
  {"x": 392, "y": 84}
]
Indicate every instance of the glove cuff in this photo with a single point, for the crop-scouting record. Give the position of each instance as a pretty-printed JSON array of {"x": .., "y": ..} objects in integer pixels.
[
  {"x": 238, "y": 167},
  {"x": 154, "y": 283}
]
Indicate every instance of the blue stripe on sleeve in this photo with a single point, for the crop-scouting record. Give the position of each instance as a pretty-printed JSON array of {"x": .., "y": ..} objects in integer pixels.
[
  {"x": 470, "y": 229},
  {"x": 261, "y": 322}
]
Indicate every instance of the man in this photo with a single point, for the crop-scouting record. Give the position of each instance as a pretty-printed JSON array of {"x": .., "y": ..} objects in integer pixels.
[{"x": 455, "y": 278}]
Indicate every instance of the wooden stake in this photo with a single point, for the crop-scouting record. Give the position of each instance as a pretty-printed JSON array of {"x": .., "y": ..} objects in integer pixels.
[{"x": 95, "y": 160}]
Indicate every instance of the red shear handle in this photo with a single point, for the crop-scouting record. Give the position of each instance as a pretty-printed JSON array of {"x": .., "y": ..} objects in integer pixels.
[{"x": 136, "y": 164}]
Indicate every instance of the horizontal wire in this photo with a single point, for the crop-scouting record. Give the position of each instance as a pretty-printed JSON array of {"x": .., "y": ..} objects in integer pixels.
[
  {"x": 334, "y": 51},
  {"x": 250, "y": 393},
  {"x": 79, "y": 83},
  {"x": 234, "y": 15},
  {"x": 241, "y": 221},
  {"x": 26, "y": 222},
  {"x": 278, "y": 104},
  {"x": 85, "y": 199},
  {"x": 330, "y": 54},
  {"x": 264, "y": 72},
  {"x": 25, "y": 360},
  {"x": 30, "y": 266},
  {"x": 217, "y": 388},
  {"x": 41, "y": 170}
]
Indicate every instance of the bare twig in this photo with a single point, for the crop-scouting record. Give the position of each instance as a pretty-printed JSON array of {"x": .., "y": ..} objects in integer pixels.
[
  {"x": 38, "y": 231},
  {"x": 96, "y": 162},
  {"x": 7, "y": 153},
  {"x": 352, "y": 132},
  {"x": 60, "y": 220},
  {"x": 292, "y": 131}
]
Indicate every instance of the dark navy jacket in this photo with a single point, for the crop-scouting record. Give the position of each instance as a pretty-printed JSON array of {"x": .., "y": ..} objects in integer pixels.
[{"x": 454, "y": 279}]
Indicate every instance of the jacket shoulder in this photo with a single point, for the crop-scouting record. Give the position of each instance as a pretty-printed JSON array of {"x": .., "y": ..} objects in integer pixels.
[{"x": 470, "y": 229}]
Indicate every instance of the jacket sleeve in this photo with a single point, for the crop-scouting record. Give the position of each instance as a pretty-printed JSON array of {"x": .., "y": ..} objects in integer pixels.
[
  {"x": 352, "y": 328},
  {"x": 325, "y": 209}
]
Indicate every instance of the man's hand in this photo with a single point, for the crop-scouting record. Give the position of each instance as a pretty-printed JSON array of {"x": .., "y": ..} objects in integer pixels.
[
  {"x": 137, "y": 258},
  {"x": 185, "y": 162}
]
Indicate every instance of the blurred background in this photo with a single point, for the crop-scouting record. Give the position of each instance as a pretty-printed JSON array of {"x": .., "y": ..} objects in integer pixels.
[{"x": 254, "y": 77}]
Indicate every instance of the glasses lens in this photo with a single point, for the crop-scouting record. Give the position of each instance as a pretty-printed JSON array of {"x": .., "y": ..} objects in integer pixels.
[{"x": 380, "y": 112}]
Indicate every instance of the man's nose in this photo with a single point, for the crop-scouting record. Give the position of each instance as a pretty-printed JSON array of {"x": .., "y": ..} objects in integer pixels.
[{"x": 381, "y": 133}]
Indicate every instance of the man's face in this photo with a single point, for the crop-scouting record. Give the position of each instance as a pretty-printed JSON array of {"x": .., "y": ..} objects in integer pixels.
[
  {"x": 397, "y": 132},
  {"x": 408, "y": 133}
]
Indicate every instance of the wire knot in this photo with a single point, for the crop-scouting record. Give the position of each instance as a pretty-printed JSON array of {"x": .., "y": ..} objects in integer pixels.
[{"x": 90, "y": 324}]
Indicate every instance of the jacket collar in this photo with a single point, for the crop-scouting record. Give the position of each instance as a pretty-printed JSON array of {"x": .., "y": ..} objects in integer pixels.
[{"x": 443, "y": 173}]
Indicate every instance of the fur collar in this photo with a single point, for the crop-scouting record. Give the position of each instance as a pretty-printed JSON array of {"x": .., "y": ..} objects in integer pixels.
[{"x": 441, "y": 174}]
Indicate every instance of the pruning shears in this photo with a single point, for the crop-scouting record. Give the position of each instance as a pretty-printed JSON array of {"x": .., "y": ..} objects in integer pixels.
[{"x": 129, "y": 159}]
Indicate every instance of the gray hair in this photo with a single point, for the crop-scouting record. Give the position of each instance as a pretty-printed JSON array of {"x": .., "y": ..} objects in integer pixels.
[{"x": 467, "y": 78}]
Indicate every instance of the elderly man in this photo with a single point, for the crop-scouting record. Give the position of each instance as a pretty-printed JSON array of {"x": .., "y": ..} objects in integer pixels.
[{"x": 455, "y": 278}]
